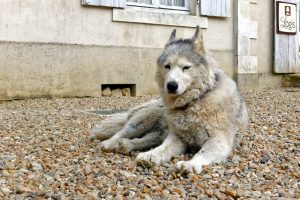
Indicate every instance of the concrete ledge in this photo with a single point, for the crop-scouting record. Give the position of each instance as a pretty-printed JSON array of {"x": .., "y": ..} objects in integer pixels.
[
  {"x": 247, "y": 81},
  {"x": 151, "y": 16},
  {"x": 261, "y": 80},
  {"x": 291, "y": 80}
]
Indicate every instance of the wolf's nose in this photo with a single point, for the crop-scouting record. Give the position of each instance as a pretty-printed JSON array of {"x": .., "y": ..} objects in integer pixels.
[{"x": 172, "y": 86}]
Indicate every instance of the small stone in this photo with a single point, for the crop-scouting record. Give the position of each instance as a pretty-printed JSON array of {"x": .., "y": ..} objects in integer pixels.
[
  {"x": 36, "y": 166},
  {"x": 240, "y": 193},
  {"x": 9, "y": 166},
  {"x": 231, "y": 192},
  {"x": 221, "y": 172},
  {"x": 1, "y": 194},
  {"x": 130, "y": 194},
  {"x": 20, "y": 197},
  {"x": 6, "y": 190},
  {"x": 106, "y": 92},
  {"x": 209, "y": 192},
  {"x": 94, "y": 195},
  {"x": 257, "y": 194},
  {"x": 127, "y": 174},
  {"x": 49, "y": 179},
  {"x": 22, "y": 189},
  {"x": 72, "y": 148},
  {"x": 116, "y": 93},
  {"x": 23, "y": 171},
  {"x": 5, "y": 173},
  {"x": 219, "y": 195},
  {"x": 87, "y": 170},
  {"x": 236, "y": 159},
  {"x": 264, "y": 159},
  {"x": 49, "y": 149},
  {"x": 267, "y": 193},
  {"x": 165, "y": 192},
  {"x": 207, "y": 176},
  {"x": 126, "y": 92}
]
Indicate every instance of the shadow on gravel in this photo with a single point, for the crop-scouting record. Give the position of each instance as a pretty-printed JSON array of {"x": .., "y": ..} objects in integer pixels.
[{"x": 107, "y": 112}]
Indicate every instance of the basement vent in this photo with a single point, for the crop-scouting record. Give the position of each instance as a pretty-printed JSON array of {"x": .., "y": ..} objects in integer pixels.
[{"x": 118, "y": 90}]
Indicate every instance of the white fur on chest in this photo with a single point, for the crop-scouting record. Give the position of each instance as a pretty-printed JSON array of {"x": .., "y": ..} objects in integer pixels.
[{"x": 190, "y": 128}]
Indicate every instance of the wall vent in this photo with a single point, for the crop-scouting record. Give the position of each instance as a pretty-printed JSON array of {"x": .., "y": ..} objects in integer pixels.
[{"x": 118, "y": 90}]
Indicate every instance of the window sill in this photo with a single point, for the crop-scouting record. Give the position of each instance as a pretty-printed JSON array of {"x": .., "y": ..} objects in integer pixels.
[{"x": 158, "y": 16}]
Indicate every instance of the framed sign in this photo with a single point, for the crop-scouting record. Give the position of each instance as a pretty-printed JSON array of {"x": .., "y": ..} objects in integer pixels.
[{"x": 286, "y": 17}]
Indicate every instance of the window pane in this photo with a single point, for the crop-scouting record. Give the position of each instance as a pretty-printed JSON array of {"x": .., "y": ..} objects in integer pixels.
[
  {"x": 146, "y": 1},
  {"x": 178, "y": 3},
  {"x": 166, "y": 2},
  {"x": 135, "y": 1}
]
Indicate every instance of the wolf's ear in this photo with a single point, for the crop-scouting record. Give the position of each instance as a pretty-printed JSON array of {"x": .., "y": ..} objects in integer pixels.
[
  {"x": 198, "y": 40},
  {"x": 172, "y": 36}
]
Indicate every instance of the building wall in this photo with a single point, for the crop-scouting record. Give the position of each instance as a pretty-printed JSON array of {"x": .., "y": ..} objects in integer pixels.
[
  {"x": 61, "y": 48},
  {"x": 265, "y": 46},
  {"x": 262, "y": 47}
]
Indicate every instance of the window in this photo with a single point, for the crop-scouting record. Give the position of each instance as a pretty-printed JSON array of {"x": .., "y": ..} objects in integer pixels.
[{"x": 163, "y": 4}]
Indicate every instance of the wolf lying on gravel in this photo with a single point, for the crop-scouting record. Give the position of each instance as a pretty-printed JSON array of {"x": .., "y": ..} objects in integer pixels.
[{"x": 199, "y": 107}]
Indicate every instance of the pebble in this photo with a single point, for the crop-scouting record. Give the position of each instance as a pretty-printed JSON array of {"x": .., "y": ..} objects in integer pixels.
[
  {"x": 36, "y": 166},
  {"x": 257, "y": 194},
  {"x": 93, "y": 195},
  {"x": 20, "y": 197},
  {"x": 48, "y": 154},
  {"x": 236, "y": 159},
  {"x": 6, "y": 190},
  {"x": 207, "y": 176}
]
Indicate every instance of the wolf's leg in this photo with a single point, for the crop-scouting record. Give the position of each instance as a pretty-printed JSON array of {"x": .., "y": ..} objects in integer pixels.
[
  {"x": 109, "y": 126},
  {"x": 216, "y": 149},
  {"x": 141, "y": 122},
  {"x": 171, "y": 146},
  {"x": 150, "y": 140},
  {"x": 242, "y": 124}
]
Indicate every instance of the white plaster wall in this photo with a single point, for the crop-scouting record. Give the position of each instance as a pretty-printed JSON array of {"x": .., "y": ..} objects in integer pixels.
[
  {"x": 61, "y": 21},
  {"x": 38, "y": 56}
]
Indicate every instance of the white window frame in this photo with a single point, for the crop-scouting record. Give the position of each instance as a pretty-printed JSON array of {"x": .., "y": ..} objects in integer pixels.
[{"x": 156, "y": 4}]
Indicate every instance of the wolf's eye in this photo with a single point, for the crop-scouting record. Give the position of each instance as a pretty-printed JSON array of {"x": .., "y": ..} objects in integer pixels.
[
  {"x": 167, "y": 67},
  {"x": 186, "y": 68}
]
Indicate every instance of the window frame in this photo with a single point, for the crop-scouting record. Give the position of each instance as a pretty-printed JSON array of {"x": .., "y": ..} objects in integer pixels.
[{"x": 156, "y": 4}]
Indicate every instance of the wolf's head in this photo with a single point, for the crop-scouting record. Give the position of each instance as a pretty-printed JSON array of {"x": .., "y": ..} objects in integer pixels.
[{"x": 184, "y": 65}]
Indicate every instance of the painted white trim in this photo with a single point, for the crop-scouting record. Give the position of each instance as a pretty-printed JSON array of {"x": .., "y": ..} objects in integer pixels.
[
  {"x": 107, "y": 3},
  {"x": 156, "y": 4}
]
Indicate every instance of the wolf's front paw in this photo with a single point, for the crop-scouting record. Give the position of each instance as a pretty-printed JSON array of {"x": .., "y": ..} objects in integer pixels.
[
  {"x": 107, "y": 145},
  {"x": 93, "y": 134},
  {"x": 180, "y": 102},
  {"x": 189, "y": 96},
  {"x": 149, "y": 159},
  {"x": 189, "y": 167},
  {"x": 124, "y": 146}
]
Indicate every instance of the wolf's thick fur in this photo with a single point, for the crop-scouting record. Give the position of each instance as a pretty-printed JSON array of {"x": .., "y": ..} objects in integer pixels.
[
  {"x": 138, "y": 129},
  {"x": 202, "y": 109}
]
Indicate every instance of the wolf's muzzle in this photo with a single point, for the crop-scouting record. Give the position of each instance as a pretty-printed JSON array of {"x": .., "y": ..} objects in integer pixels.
[{"x": 172, "y": 87}]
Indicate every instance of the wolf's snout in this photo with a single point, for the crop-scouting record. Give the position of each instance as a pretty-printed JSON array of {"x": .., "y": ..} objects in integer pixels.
[{"x": 172, "y": 86}]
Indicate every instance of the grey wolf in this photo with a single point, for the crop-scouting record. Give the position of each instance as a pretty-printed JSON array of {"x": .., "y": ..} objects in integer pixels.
[{"x": 199, "y": 108}]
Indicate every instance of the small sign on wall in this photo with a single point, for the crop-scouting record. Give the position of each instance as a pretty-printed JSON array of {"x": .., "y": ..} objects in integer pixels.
[{"x": 286, "y": 17}]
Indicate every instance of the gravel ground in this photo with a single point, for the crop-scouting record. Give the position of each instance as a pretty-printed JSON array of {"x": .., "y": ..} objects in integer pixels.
[{"x": 45, "y": 153}]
